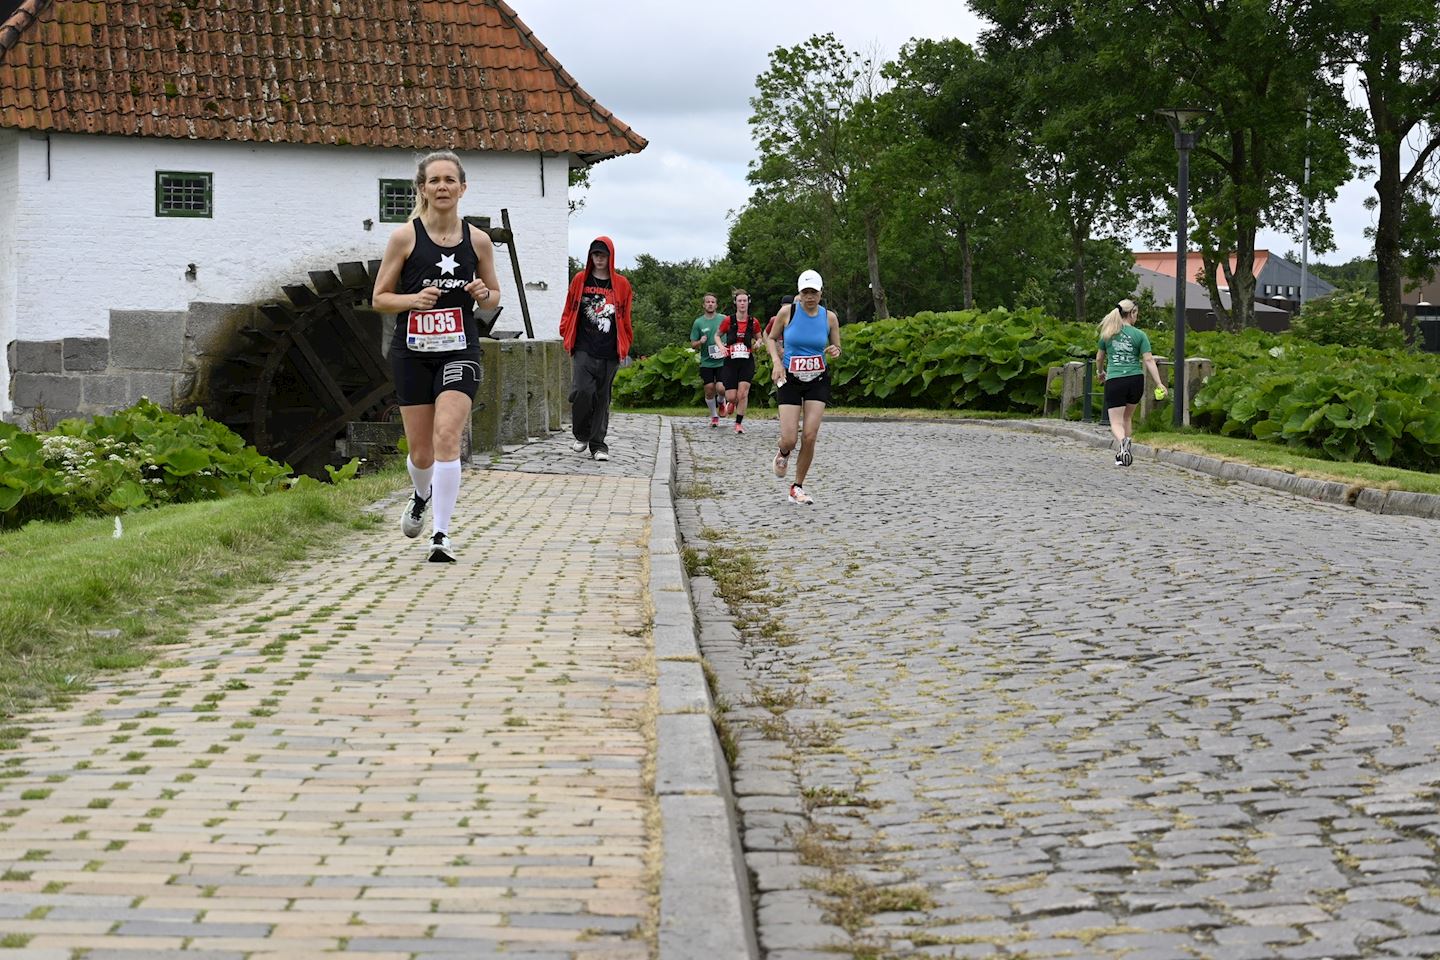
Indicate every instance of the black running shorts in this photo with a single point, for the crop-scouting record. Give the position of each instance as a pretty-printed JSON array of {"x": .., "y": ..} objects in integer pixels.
[
  {"x": 711, "y": 374},
  {"x": 794, "y": 391},
  {"x": 738, "y": 371},
  {"x": 420, "y": 379},
  {"x": 1124, "y": 391}
]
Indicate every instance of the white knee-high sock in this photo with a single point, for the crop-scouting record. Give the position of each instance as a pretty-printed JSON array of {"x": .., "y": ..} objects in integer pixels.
[
  {"x": 421, "y": 478},
  {"x": 447, "y": 490},
  {"x": 710, "y": 402}
]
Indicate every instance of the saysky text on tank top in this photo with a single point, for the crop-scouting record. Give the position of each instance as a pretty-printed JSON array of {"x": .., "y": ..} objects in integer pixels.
[
  {"x": 596, "y": 333},
  {"x": 449, "y": 326},
  {"x": 1124, "y": 351},
  {"x": 806, "y": 337}
]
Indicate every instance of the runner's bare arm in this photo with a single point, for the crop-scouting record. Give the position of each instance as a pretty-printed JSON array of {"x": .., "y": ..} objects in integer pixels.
[
  {"x": 1150, "y": 365},
  {"x": 1100, "y": 364},
  {"x": 775, "y": 337},
  {"x": 384, "y": 298},
  {"x": 833, "y": 348},
  {"x": 485, "y": 288}
]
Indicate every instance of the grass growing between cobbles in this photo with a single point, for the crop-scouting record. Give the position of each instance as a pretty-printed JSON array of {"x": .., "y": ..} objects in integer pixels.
[
  {"x": 1275, "y": 457},
  {"x": 79, "y": 601}
]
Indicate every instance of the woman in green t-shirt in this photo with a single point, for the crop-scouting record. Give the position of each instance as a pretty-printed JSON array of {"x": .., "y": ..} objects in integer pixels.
[{"x": 1122, "y": 360}]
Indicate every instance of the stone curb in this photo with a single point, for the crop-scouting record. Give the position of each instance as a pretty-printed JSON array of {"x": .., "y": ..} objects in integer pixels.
[
  {"x": 705, "y": 904},
  {"x": 1393, "y": 502}
]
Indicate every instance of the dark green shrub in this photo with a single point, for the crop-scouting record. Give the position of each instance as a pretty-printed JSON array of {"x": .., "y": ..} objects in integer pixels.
[
  {"x": 1347, "y": 320},
  {"x": 138, "y": 457}
]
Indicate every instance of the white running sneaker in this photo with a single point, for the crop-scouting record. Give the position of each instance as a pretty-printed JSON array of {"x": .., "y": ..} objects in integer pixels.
[
  {"x": 1126, "y": 457},
  {"x": 578, "y": 445},
  {"x": 1118, "y": 461},
  {"x": 413, "y": 514},
  {"x": 797, "y": 495},
  {"x": 601, "y": 455},
  {"x": 440, "y": 551},
  {"x": 782, "y": 463}
]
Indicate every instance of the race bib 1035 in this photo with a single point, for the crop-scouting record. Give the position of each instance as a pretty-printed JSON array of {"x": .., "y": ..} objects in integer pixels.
[{"x": 436, "y": 331}]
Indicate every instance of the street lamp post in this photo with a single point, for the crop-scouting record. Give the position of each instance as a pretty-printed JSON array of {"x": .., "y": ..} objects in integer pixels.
[{"x": 1179, "y": 118}]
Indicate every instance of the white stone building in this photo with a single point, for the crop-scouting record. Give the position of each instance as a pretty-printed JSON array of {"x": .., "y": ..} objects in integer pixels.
[{"x": 162, "y": 161}]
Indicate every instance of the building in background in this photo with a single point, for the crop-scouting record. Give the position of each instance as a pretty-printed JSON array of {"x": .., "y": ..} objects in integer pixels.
[
  {"x": 1277, "y": 280},
  {"x": 162, "y": 163}
]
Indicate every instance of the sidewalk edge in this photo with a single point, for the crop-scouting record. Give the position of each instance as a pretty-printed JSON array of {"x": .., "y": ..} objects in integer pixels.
[
  {"x": 1392, "y": 502},
  {"x": 705, "y": 903}
]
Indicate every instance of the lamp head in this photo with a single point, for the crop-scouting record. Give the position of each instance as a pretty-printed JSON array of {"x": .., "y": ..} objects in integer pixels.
[{"x": 1182, "y": 119}]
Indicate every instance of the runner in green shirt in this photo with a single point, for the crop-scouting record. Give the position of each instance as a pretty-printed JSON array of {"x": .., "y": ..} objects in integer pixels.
[
  {"x": 705, "y": 337},
  {"x": 1122, "y": 359}
]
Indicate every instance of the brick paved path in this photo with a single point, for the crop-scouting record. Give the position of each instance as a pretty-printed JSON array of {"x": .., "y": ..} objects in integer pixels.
[
  {"x": 377, "y": 755},
  {"x": 999, "y": 698}
]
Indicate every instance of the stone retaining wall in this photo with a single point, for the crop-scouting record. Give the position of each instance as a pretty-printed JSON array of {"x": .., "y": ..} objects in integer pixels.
[
  {"x": 148, "y": 353},
  {"x": 165, "y": 356}
]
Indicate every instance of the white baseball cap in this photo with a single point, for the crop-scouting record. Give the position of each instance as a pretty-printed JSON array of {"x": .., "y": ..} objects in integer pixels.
[{"x": 810, "y": 280}]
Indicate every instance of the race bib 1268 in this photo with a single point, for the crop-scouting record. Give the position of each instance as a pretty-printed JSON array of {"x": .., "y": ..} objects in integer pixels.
[
  {"x": 436, "y": 331},
  {"x": 807, "y": 367}
]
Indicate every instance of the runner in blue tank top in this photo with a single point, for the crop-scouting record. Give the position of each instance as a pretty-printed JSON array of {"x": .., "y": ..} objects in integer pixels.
[{"x": 809, "y": 336}]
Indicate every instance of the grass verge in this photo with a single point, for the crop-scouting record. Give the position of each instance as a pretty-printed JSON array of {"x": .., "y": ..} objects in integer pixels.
[
  {"x": 1276, "y": 457},
  {"x": 78, "y": 601}
]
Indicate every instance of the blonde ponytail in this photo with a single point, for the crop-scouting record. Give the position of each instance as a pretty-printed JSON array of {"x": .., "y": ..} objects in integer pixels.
[{"x": 1123, "y": 313}]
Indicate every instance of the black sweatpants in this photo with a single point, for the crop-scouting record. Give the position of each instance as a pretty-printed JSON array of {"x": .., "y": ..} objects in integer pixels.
[{"x": 590, "y": 398}]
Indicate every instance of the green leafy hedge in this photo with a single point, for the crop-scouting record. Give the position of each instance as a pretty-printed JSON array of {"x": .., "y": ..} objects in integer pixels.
[
  {"x": 972, "y": 360},
  {"x": 1347, "y": 319},
  {"x": 138, "y": 457},
  {"x": 995, "y": 360},
  {"x": 1345, "y": 403},
  {"x": 1350, "y": 403}
]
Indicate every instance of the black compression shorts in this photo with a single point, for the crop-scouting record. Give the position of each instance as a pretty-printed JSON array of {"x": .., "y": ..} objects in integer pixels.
[
  {"x": 794, "y": 391},
  {"x": 739, "y": 371},
  {"x": 420, "y": 379},
  {"x": 1123, "y": 391}
]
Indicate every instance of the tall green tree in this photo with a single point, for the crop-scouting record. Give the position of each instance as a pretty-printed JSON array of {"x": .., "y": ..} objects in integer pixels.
[
  {"x": 1394, "y": 45},
  {"x": 1257, "y": 65},
  {"x": 809, "y": 148},
  {"x": 1078, "y": 111}
]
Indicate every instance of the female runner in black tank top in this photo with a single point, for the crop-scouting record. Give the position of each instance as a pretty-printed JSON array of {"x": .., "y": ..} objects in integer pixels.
[{"x": 436, "y": 270}]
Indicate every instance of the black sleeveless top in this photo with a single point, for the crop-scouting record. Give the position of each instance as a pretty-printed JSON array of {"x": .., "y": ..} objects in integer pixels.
[{"x": 447, "y": 268}]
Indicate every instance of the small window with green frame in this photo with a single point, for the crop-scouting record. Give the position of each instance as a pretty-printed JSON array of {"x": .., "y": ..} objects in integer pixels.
[
  {"x": 184, "y": 194},
  {"x": 397, "y": 199}
]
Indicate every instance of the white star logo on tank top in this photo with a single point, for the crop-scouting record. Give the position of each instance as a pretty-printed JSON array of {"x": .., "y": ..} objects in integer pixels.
[{"x": 447, "y": 264}]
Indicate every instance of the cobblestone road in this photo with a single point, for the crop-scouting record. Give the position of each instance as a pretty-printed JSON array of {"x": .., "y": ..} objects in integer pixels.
[{"x": 998, "y": 698}]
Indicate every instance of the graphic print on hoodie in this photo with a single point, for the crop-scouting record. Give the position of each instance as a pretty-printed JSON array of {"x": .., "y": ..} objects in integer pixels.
[{"x": 597, "y": 332}]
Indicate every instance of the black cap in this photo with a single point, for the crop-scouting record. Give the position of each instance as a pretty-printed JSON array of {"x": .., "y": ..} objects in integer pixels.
[{"x": 598, "y": 245}]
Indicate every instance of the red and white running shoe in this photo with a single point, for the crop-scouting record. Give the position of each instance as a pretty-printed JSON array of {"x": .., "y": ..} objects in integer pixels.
[{"x": 797, "y": 495}]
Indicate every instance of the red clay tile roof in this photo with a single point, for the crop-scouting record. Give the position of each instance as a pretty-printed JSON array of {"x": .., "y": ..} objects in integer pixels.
[{"x": 415, "y": 74}]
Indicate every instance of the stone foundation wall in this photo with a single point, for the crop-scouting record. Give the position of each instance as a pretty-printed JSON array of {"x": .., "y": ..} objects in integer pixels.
[{"x": 156, "y": 354}]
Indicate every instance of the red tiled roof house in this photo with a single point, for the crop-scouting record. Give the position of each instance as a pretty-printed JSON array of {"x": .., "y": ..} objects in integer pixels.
[{"x": 161, "y": 159}]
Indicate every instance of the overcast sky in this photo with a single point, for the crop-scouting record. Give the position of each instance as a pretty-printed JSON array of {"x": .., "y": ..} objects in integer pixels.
[{"x": 682, "y": 76}]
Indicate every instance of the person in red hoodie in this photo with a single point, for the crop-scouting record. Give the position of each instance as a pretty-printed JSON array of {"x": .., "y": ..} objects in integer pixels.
[{"x": 597, "y": 333}]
